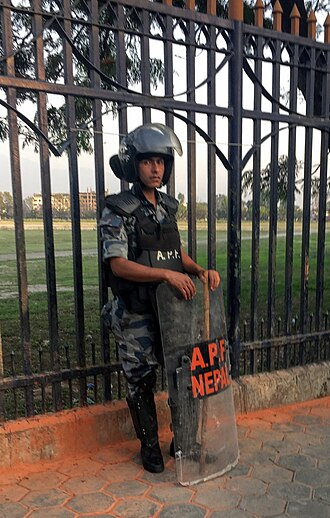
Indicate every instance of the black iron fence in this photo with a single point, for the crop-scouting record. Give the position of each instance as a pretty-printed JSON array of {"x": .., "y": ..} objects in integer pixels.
[{"x": 240, "y": 97}]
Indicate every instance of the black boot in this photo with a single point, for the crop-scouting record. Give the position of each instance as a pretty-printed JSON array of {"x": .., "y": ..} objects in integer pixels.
[{"x": 143, "y": 411}]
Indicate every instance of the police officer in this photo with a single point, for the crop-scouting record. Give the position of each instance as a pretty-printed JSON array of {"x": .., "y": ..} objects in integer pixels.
[{"x": 141, "y": 248}]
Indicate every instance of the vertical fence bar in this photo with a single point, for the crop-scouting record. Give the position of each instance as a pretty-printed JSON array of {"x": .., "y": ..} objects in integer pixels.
[
  {"x": 47, "y": 207},
  {"x": 145, "y": 63},
  {"x": 121, "y": 74},
  {"x": 211, "y": 165},
  {"x": 22, "y": 277},
  {"x": 234, "y": 195},
  {"x": 74, "y": 203},
  {"x": 191, "y": 138},
  {"x": 304, "y": 272},
  {"x": 168, "y": 60},
  {"x": 94, "y": 52},
  {"x": 290, "y": 195},
  {"x": 256, "y": 197},
  {"x": 271, "y": 313},
  {"x": 322, "y": 198}
]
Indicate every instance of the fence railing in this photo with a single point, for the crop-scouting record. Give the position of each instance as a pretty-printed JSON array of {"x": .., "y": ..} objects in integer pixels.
[{"x": 240, "y": 97}]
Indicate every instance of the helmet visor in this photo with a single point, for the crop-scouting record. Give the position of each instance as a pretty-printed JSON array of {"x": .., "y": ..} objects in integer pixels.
[{"x": 154, "y": 139}]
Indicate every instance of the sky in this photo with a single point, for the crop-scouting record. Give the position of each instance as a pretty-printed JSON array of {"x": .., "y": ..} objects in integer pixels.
[{"x": 59, "y": 165}]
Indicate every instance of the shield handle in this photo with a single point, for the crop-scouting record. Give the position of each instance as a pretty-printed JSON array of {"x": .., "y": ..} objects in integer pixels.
[{"x": 206, "y": 303}]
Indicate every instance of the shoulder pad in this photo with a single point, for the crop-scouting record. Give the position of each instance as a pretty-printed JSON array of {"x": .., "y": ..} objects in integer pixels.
[
  {"x": 124, "y": 203},
  {"x": 170, "y": 202}
]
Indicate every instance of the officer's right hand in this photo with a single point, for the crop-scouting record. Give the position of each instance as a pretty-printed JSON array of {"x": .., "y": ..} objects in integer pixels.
[{"x": 182, "y": 283}]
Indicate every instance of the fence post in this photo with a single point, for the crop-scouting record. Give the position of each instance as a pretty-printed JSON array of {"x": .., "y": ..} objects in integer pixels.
[
  {"x": 277, "y": 16},
  {"x": 327, "y": 29},
  {"x": 311, "y": 23},
  {"x": 235, "y": 10},
  {"x": 259, "y": 13},
  {"x": 234, "y": 196},
  {"x": 295, "y": 21}
]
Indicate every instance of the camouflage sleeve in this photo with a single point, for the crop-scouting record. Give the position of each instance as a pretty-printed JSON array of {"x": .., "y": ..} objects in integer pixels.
[{"x": 113, "y": 235}]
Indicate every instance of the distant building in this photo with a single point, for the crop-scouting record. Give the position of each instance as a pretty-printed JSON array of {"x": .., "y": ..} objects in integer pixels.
[
  {"x": 61, "y": 201},
  {"x": 87, "y": 201}
]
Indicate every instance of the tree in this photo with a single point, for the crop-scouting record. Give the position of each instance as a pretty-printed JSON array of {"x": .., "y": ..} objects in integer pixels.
[
  {"x": 265, "y": 177},
  {"x": 182, "y": 209},
  {"x": 6, "y": 205},
  {"x": 221, "y": 206},
  {"x": 53, "y": 52}
]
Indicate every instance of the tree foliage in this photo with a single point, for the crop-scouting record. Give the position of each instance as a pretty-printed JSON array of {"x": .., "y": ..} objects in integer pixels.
[
  {"x": 54, "y": 58},
  {"x": 265, "y": 180}
]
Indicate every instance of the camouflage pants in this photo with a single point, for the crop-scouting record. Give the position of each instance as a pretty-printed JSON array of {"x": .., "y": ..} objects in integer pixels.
[{"x": 138, "y": 341}]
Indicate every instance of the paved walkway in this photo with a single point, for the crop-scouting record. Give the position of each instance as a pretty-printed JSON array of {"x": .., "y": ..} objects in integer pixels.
[{"x": 284, "y": 471}]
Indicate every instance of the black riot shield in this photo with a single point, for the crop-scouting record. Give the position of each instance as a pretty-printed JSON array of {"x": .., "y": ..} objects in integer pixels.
[{"x": 199, "y": 383}]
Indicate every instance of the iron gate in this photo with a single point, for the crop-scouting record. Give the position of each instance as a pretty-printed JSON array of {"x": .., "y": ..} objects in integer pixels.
[{"x": 220, "y": 86}]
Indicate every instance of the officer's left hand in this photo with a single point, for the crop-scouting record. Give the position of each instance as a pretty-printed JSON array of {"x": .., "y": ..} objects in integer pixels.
[{"x": 212, "y": 276}]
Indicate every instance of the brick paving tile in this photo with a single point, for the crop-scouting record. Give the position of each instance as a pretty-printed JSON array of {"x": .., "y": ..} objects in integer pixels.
[
  {"x": 307, "y": 510},
  {"x": 12, "y": 511},
  {"x": 258, "y": 457},
  {"x": 322, "y": 493},
  {"x": 321, "y": 430},
  {"x": 83, "y": 484},
  {"x": 263, "y": 505},
  {"x": 283, "y": 478},
  {"x": 286, "y": 427},
  {"x": 247, "y": 486},
  {"x": 122, "y": 471},
  {"x": 135, "y": 508},
  {"x": 90, "y": 502},
  {"x": 46, "y": 498},
  {"x": 127, "y": 488},
  {"x": 122, "y": 452},
  {"x": 283, "y": 447},
  {"x": 250, "y": 444},
  {"x": 217, "y": 500},
  {"x": 290, "y": 491},
  {"x": 232, "y": 513},
  {"x": 182, "y": 511},
  {"x": 42, "y": 480},
  {"x": 303, "y": 439},
  {"x": 272, "y": 473},
  {"x": 170, "y": 493},
  {"x": 295, "y": 462},
  {"x": 324, "y": 464},
  {"x": 12, "y": 493},
  {"x": 57, "y": 512},
  {"x": 266, "y": 435},
  {"x": 83, "y": 466},
  {"x": 158, "y": 478},
  {"x": 318, "y": 451},
  {"x": 313, "y": 477},
  {"x": 240, "y": 469},
  {"x": 307, "y": 419}
]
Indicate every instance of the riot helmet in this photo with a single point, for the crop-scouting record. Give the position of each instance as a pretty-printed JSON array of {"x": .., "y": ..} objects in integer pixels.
[{"x": 152, "y": 139}]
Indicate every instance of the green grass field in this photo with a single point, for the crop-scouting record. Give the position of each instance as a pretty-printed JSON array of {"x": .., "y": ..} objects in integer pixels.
[{"x": 9, "y": 307}]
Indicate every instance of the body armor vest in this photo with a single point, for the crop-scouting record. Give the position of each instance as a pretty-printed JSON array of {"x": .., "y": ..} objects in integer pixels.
[{"x": 158, "y": 244}]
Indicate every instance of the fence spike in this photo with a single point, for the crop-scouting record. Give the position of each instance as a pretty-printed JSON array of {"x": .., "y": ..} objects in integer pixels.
[
  {"x": 311, "y": 23},
  {"x": 235, "y": 10},
  {"x": 327, "y": 29},
  {"x": 190, "y": 4},
  {"x": 295, "y": 20},
  {"x": 259, "y": 13},
  {"x": 212, "y": 7},
  {"x": 277, "y": 16}
]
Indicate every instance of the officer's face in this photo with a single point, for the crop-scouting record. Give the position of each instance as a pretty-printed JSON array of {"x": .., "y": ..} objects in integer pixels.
[{"x": 151, "y": 171}]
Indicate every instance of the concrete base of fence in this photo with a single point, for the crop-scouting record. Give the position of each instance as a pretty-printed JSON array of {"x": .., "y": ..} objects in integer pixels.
[{"x": 77, "y": 431}]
